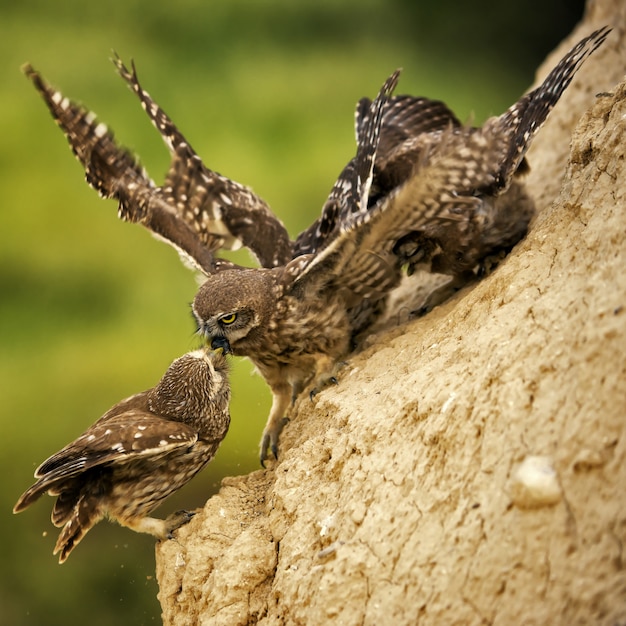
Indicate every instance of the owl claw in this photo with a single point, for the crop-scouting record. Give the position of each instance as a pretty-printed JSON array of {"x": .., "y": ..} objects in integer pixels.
[
  {"x": 332, "y": 380},
  {"x": 176, "y": 520},
  {"x": 270, "y": 441}
]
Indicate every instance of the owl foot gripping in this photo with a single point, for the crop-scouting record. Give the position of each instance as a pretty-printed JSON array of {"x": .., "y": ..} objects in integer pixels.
[
  {"x": 332, "y": 381},
  {"x": 284, "y": 396},
  {"x": 176, "y": 520},
  {"x": 269, "y": 440},
  {"x": 159, "y": 528}
]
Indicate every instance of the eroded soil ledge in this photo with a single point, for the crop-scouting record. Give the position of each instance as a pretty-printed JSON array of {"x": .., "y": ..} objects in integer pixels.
[{"x": 396, "y": 500}]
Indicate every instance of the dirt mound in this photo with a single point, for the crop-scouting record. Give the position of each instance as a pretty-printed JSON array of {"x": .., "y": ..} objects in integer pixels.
[{"x": 470, "y": 467}]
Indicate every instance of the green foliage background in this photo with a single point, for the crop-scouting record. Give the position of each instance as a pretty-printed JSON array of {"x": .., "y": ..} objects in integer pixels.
[{"x": 93, "y": 310}]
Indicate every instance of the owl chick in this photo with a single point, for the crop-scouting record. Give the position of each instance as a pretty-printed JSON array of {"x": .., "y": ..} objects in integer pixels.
[
  {"x": 138, "y": 453},
  {"x": 197, "y": 210},
  {"x": 296, "y": 322}
]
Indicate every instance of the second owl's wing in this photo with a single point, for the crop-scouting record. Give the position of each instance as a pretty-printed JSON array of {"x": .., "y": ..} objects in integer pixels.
[
  {"x": 407, "y": 123},
  {"x": 405, "y": 118},
  {"x": 350, "y": 193},
  {"x": 361, "y": 260},
  {"x": 124, "y": 436},
  {"x": 209, "y": 202},
  {"x": 196, "y": 211},
  {"x": 456, "y": 169},
  {"x": 523, "y": 120}
]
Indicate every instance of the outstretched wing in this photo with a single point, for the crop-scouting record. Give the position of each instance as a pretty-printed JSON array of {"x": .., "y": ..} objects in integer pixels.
[
  {"x": 122, "y": 438},
  {"x": 457, "y": 169},
  {"x": 521, "y": 122},
  {"x": 405, "y": 118},
  {"x": 350, "y": 193},
  {"x": 361, "y": 260},
  {"x": 187, "y": 210},
  {"x": 115, "y": 173},
  {"x": 211, "y": 204},
  {"x": 408, "y": 121}
]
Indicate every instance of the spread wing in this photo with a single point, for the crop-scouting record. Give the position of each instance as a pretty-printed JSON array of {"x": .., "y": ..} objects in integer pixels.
[
  {"x": 407, "y": 121},
  {"x": 350, "y": 193},
  {"x": 406, "y": 117},
  {"x": 522, "y": 120},
  {"x": 188, "y": 210},
  {"x": 455, "y": 171},
  {"x": 210, "y": 203},
  {"x": 361, "y": 260}
]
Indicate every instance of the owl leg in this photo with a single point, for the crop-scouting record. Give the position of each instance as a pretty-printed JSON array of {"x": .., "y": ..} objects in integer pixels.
[
  {"x": 281, "y": 399},
  {"x": 159, "y": 528}
]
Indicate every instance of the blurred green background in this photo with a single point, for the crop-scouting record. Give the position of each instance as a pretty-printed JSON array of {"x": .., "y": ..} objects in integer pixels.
[{"x": 92, "y": 309}]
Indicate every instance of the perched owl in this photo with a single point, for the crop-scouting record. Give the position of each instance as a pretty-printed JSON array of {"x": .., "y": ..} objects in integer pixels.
[
  {"x": 445, "y": 208},
  {"x": 138, "y": 453},
  {"x": 312, "y": 297}
]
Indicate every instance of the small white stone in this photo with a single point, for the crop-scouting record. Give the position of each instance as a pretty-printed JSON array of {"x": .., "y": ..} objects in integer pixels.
[
  {"x": 326, "y": 524},
  {"x": 535, "y": 483}
]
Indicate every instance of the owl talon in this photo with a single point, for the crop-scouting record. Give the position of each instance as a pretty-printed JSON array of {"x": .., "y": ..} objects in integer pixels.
[
  {"x": 270, "y": 441},
  {"x": 332, "y": 380},
  {"x": 176, "y": 520}
]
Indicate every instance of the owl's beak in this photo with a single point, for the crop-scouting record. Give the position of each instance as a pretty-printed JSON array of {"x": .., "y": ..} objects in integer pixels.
[{"x": 221, "y": 343}]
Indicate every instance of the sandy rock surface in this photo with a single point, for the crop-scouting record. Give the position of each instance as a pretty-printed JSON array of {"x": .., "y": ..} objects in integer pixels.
[{"x": 470, "y": 467}]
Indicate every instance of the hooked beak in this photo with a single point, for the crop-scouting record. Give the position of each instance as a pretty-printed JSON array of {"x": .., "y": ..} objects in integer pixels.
[{"x": 221, "y": 343}]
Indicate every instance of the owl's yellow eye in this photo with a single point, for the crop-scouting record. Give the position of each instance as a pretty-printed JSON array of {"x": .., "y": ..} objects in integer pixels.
[{"x": 228, "y": 319}]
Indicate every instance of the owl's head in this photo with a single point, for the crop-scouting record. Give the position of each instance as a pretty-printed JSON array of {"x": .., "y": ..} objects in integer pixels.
[
  {"x": 195, "y": 386},
  {"x": 232, "y": 308}
]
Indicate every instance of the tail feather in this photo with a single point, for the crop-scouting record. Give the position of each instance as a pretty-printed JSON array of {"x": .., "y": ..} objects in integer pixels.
[
  {"x": 66, "y": 503},
  {"x": 84, "y": 516},
  {"x": 29, "y": 496},
  {"x": 55, "y": 484},
  {"x": 72, "y": 510}
]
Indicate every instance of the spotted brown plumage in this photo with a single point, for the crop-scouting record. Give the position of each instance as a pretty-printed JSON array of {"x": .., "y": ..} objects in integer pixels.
[
  {"x": 422, "y": 190},
  {"x": 196, "y": 210},
  {"x": 454, "y": 205},
  {"x": 138, "y": 453}
]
